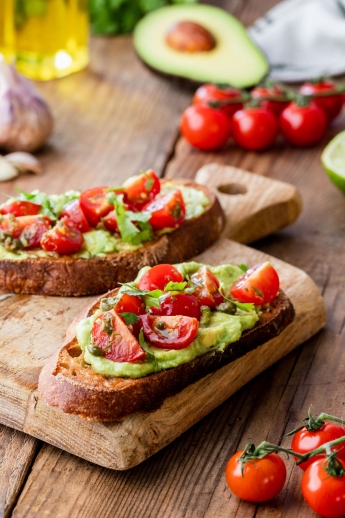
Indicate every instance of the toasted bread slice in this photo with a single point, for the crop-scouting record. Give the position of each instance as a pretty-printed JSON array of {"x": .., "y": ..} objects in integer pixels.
[
  {"x": 74, "y": 277},
  {"x": 68, "y": 382}
]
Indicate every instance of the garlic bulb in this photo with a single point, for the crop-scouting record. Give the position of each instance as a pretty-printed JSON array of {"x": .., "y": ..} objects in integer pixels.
[
  {"x": 7, "y": 170},
  {"x": 14, "y": 164},
  {"x": 25, "y": 119}
]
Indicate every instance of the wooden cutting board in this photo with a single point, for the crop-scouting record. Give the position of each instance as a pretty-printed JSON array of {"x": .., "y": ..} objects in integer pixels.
[
  {"x": 254, "y": 206},
  {"x": 32, "y": 328}
]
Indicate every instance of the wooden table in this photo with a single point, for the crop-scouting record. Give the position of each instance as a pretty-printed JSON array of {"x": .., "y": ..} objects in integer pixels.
[{"x": 111, "y": 121}]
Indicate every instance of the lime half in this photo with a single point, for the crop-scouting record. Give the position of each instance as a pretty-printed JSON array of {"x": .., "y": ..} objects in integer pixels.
[{"x": 333, "y": 160}]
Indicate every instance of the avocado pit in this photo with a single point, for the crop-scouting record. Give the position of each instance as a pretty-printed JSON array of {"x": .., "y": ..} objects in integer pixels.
[{"x": 190, "y": 37}]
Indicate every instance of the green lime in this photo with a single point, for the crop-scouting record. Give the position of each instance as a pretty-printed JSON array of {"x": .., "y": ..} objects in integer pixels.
[{"x": 333, "y": 160}]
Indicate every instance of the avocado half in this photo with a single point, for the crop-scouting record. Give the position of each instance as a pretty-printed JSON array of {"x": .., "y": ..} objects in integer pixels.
[{"x": 235, "y": 59}]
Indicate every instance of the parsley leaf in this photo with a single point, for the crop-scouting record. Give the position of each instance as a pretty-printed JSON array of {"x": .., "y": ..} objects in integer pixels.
[
  {"x": 175, "y": 286},
  {"x": 129, "y": 318},
  {"x": 151, "y": 298},
  {"x": 130, "y": 233}
]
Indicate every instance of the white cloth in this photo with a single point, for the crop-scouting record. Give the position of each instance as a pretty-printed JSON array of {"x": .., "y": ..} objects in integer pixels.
[{"x": 303, "y": 39}]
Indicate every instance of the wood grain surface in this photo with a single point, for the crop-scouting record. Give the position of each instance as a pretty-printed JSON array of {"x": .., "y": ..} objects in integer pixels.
[{"x": 110, "y": 121}]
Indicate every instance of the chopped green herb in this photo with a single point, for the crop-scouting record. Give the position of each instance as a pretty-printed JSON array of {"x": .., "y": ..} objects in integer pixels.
[
  {"x": 129, "y": 318},
  {"x": 175, "y": 286},
  {"x": 243, "y": 267},
  {"x": 248, "y": 306}
]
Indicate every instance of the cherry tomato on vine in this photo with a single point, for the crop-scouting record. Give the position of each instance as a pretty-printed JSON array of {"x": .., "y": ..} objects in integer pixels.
[
  {"x": 179, "y": 304},
  {"x": 168, "y": 211},
  {"x": 207, "y": 287},
  {"x": 259, "y": 285},
  {"x": 169, "y": 332},
  {"x": 64, "y": 238},
  {"x": 276, "y": 107},
  {"x": 205, "y": 128},
  {"x": 20, "y": 208},
  {"x": 324, "y": 493},
  {"x": 303, "y": 125},
  {"x": 142, "y": 189},
  {"x": 157, "y": 277},
  {"x": 74, "y": 213},
  {"x": 262, "y": 478},
  {"x": 254, "y": 128},
  {"x": 331, "y": 104},
  {"x": 211, "y": 92},
  {"x": 304, "y": 441}
]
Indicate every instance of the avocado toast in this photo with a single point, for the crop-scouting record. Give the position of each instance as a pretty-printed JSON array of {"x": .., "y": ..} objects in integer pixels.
[{"x": 91, "y": 376}]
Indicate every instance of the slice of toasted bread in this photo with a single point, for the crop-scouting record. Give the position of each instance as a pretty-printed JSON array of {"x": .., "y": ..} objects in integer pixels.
[
  {"x": 68, "y": 382},
  {"x": 74, "y": 277}
]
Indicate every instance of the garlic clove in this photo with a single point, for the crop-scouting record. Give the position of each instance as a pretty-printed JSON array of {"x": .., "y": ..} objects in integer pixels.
[
  {"x": 24, "y": 162},
  {"x": 7, "y": 170}
]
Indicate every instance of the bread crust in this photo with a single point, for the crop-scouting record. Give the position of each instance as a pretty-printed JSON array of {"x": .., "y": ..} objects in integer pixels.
[
  {"x": 70, "y": 277},
  {"x": 68, "y": 382}
]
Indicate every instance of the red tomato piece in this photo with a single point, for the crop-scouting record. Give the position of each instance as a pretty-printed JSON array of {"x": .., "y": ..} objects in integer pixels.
[
  {"x": 158, "y": 277},
  {"x": 111, "y": 334},
  {"x": 254, "y": 128},
  {"x": 205, "y": 128},
  {"x": 276, "y": 107},
  {"x": 27, "y": 229},
  {"x": 20, "y": 208},
  {"x": 173, "y": 332},
  {"x": 168, "y": 211},
  {"x": 110, "y": 222},
  {"x": 64, "y": 238},
  {"x": 130, "y": 304},
  {"x": 259, "y": 285},
  {"x": 263, "y": 478},
  {"x": 74, "y": 213},
  {"x": 142, "y": 189},
  {"x": 303, "y": 126},
  {"x": 94, "y": 205},
  {"x": 211, "y": 93},
  {"x": 179, "y": 304},
  {"x": 207, "y": 287},
  {"x": 324, "y": 493},
  {"x": 331, "y": 104},
  {"x": 304, "y": 441}
]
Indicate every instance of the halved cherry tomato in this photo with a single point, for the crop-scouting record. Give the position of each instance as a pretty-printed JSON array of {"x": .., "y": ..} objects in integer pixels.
[
  {"x": 179, "y": 304},
  {"x": 303, "y": 126},
  {"x": 207, "y": 287},
  {"x": 168, "y": 211},
  {"x": 64, "y": 238},
  {"x": 259, "y": 285},
  {"x": 262, "y": 479},
  {"x": 205, "y": 128},
  {"x": 276, "y": 107},
  {"x": 110, "y": 222},
  {"x": 330, "y": 104},
  {"x": 304, "y": 441},
  {"x": 111, "y": 334},
  {"x": 20, "y": 208},
  {"x": 94, "y": 205},
  {"x": 254, "y": 128},
  {"x": 158, "y": 277},
  {"x": 27, "y": 229},
  {"x": 142, "y": 189},
  {"x": 210, "y": 92},
  {"x": 324, "y": 493},
  {"x": 75, "y": 214},
  {"x": 130, "y": 304},
  {"x": 175, "y": 332}
]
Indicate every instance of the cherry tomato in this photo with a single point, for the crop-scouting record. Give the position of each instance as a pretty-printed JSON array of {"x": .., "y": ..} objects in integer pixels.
[
  {"x": 179, "y": 304},
  {"x": 276, "y": 107},
  {"x": 27, "y": 229},
  {"x": 20, "y": 208},
  {"x": 111, "y": 334},
  {"x": 142, "y": 189},
  {"x": 94, "y": 205},
  {"x": 158, "y": 277},
  {"x": 207, "y": 287},
  {"x": 305, "y": 441},
  {"x": 324, "y": 493},
  {"x": 130, "y": 304},
  {"x": 205, "y": 128},
  {"x": 110, "y": 222},
  {"x": 73, "y": 212},
  {"x": 254, "y": 128},
  {"x": 263, "y": 478},
  {"x": 259, "y": 285},
  {"x": 64, "y": 238},
  {"x": 168, "y": 211},
  {"x": 330, "y": 104},
  {"x": 303, "y": 126},
  {"x": 216, "y": 92},
  {"x": 173, "y": 332}
]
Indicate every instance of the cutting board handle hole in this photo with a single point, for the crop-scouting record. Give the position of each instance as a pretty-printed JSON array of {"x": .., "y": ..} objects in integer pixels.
[{"x": 232, "y": 188}]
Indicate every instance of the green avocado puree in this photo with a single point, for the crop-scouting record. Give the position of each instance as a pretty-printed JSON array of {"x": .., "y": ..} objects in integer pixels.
[{"x": 222, "y": 330}]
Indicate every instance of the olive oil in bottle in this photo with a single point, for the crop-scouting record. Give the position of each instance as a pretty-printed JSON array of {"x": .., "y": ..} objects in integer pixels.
[
  {"x": 51, "y": 37},
  {"x": 7, "y": 50}
]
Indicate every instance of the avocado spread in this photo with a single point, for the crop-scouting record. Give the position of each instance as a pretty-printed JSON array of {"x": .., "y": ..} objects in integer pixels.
[{"x": 220, "y": 330}]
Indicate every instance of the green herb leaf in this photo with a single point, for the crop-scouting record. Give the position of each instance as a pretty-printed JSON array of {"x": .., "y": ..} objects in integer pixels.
[
  {"x": 132, "y": 290},
  {"x": 129, "y": 318},
  {"x": 243, "y": 267},
  {"x": 144, "y": 345},
  {"x": 129, "y": 232},
  {"x": 175, "y": 286},
  {"x": 244, "y": 306}
]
